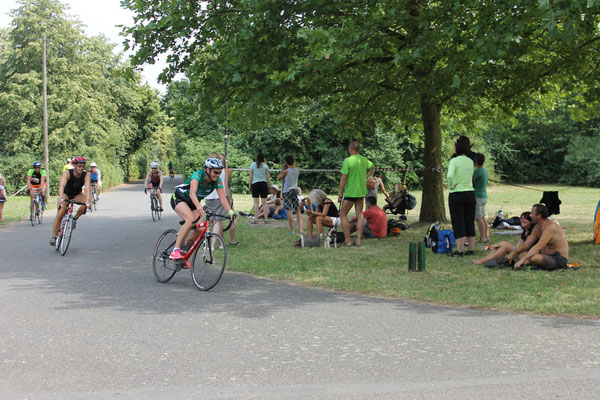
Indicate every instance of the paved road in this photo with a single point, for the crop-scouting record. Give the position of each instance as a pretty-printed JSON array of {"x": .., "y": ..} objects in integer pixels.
[{"x": 95, "y": 324}]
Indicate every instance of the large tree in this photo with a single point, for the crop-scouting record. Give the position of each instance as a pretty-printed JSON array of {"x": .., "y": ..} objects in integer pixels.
[
  {"x": 371, "y": 61},
  {"x": 95, "y": 107}
]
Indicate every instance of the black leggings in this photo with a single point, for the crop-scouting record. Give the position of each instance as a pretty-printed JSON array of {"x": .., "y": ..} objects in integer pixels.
[{"x": 462, "y": 213}]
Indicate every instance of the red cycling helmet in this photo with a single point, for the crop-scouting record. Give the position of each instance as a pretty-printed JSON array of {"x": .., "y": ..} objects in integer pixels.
[{"x": 79, "y": 160}]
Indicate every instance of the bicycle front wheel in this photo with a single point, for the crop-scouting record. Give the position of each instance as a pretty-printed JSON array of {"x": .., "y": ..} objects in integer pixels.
[
  {"x": 153, "y": 207},
  {"x": 66, "y": 235},
  {"x": 208, "y": 262},
  {"x": 163, "y": 267},
  {"x": 60, "y": 234},
  {"x": 32, "y": 213},
  {"x": 40, "y": 214}
]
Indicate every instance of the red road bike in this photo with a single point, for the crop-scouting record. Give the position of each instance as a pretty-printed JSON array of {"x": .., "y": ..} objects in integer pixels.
[{"x": 206, "y": 258}]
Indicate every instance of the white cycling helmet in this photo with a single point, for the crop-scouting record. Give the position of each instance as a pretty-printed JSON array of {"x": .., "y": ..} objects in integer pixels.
[
  {"x": 93, "y": 165},
  {"x": 153, "y": 165},
  {"x": 213, "y": 163}
]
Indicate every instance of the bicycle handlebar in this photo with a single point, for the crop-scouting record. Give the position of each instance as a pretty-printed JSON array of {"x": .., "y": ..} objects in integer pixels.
[{"x": 208, "y": 214}]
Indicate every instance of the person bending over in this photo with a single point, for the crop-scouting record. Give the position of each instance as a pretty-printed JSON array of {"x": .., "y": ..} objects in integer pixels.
[
  {"x": 71, "y": 187},
  {"x": 552, "y": 250}
]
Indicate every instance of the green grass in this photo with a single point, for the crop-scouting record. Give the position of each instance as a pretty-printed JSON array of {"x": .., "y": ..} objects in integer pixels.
[
  {"x": 17, "y": 209},
  {"x": 379, "y": 267}
]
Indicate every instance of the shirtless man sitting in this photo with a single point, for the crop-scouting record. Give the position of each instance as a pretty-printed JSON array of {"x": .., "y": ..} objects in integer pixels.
[{"x": 552, "y": 250}]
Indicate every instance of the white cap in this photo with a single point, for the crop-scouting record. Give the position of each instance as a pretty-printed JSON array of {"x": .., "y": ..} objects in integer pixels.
[{"x": 275, "y": 187}]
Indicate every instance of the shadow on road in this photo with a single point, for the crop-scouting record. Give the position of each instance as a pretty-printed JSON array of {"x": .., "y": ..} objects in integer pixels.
[{"x": 109, "y": 266}]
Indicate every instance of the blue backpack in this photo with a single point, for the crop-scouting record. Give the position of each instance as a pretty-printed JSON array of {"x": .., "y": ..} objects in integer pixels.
[{"x": 445, "y": 242}]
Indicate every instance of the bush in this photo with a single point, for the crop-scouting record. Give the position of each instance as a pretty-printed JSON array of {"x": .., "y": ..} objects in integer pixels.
[{"x": 582, "y": 162}]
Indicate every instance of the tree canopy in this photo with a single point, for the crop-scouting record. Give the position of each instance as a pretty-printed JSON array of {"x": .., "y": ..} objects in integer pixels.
[
  {"x": 95, "y": 108},
  {"x": 371, "y": 62}
]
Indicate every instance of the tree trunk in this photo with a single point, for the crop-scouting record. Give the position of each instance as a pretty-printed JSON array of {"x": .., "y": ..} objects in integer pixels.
[{"x": 432, "y": 202}]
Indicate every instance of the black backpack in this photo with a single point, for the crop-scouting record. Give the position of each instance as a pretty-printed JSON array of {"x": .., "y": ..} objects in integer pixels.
[{"x": 431, "y": 237}]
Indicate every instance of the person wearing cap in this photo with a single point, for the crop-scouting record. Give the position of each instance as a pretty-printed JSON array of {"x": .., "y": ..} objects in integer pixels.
[
  {"x": 36, "y": 181},
  {"x": 259, "y": 183},
  {"x": 155, "y": 176},
  {"x": 72, "y": 183},
  {"x": 68, "y": 165},
  {"x": 274, "y": 203},
  {"x": 96, "y": 177}
]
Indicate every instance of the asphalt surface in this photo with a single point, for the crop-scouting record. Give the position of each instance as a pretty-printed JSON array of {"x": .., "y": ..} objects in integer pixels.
[{"x": 95, "y": 324}]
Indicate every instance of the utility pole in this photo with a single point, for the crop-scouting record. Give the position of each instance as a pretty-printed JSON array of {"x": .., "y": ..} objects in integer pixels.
[
  {"x": 226, "y": 133},
  {"x": 45, "y": 113},
  {"x": 228, "y": 190}
]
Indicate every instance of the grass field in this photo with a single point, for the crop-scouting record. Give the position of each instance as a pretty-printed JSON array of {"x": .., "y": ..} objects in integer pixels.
[
  {"x": 17, "y": 209},
  {"x": 379, "y": 267}
]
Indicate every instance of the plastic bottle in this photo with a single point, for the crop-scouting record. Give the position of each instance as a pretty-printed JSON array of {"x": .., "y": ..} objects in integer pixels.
[{"x": 486, "y": 247}]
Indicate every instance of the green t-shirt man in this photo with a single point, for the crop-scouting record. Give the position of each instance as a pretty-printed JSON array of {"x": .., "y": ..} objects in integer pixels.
[
  {"x": 480, "y": 184},
  {"x": 203, "y": 189},
  {"x": 356, "y": 167}
]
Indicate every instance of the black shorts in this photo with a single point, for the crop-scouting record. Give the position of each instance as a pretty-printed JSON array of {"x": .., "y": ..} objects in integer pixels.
[
  {"x": 353, "y": 199},
  {"x": 179, "y": 198},
  {"x": 553, "y": 261},
  {"x": 260, "y": 189},
  {"x": 155, "y": 184}
]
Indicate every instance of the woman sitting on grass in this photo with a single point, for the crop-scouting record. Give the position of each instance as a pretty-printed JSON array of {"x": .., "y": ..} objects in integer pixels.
[
  {"x": 500, "y": 250},
  {"x": 326, "y": 213}
]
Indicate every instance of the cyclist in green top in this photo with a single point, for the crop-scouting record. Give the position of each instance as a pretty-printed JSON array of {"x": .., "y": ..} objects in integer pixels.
[
  {"x": 186, "y": 199},
  {"x": 36, "y": 180}
]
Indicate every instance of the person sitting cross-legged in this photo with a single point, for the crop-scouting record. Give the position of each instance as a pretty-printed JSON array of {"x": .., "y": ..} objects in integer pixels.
[
  {"x": 376, "y": 225},
  {"x": 551, "y": 250}
]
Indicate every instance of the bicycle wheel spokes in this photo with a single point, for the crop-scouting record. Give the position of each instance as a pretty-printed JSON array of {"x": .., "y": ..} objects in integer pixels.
[
  {"x": 32, "y": 212},
  {"x": 66, "y": 235},
  {"x": 153, "y": 207},
  {"x": 163, "y": 267},
  {"x": 60, "y": 234},
  {"x": 40, "y": 214},
  {"x": 208, "y": 263}
]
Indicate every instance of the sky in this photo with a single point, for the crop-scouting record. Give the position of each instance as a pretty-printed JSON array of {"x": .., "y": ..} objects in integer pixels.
[{"x": 98, "y": 16}]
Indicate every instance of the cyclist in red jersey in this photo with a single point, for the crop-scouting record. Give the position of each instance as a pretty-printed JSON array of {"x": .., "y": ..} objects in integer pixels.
[{"x": 155, "y": 176}]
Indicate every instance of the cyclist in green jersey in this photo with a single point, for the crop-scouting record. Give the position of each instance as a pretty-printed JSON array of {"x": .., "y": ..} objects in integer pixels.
[
  {"x": 36, "y": 180},
  {"x": 186, "y": 199}
]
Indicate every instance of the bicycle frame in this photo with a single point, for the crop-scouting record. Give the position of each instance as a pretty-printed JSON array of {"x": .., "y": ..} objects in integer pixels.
[{"x": 201, "y": 236}]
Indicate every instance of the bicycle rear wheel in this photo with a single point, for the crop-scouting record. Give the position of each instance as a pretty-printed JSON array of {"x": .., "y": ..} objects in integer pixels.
[
  {"x": 66, "y": 235},
  {"x": 208, "y": 266},
  {"x": 163, "y": 267}
]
